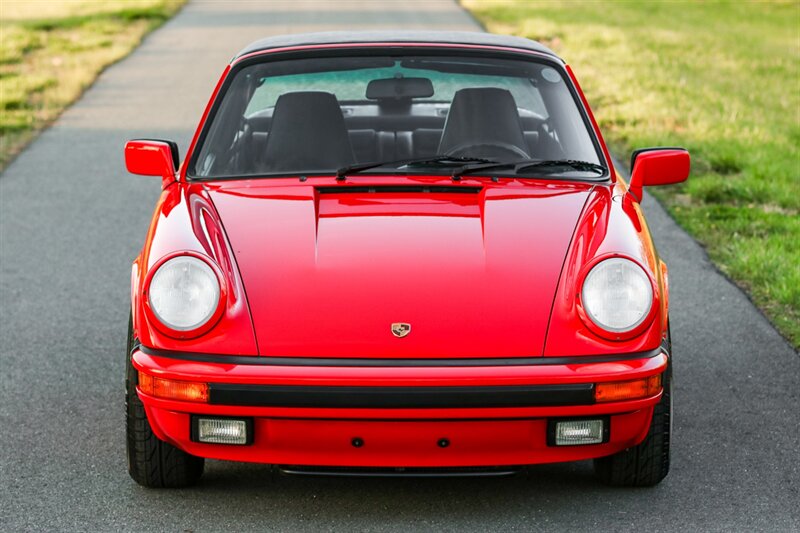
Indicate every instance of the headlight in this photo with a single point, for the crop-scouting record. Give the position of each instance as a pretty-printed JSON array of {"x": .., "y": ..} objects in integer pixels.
[
  {"x": 617, "y": 295},
  {"x": 184, "y": 293}
]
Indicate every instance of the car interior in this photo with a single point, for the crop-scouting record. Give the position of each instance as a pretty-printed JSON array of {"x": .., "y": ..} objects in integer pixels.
[{"x": 313, "y": 129}]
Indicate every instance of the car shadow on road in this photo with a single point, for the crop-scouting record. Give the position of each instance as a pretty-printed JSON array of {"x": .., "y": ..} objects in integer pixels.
[{"x": 244, "y": 492}]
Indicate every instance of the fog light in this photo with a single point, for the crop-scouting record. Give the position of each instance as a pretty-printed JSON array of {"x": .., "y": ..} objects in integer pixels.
[
  {"x": 222, "y": 430},
  {"x": 575, "y": 432}
]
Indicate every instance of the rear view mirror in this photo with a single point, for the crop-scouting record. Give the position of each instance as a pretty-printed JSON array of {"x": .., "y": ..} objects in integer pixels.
[
  {"x": 658, "y": 166},
  {"x": 399, "y": 89},
  {"x": 152, "y": 157}
]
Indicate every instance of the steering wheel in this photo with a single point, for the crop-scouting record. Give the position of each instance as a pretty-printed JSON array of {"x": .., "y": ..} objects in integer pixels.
[{"x": 489, "y": 150}]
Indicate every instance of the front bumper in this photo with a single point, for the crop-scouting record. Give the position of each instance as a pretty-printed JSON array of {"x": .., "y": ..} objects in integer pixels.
[{"x": 490, "y": 412}]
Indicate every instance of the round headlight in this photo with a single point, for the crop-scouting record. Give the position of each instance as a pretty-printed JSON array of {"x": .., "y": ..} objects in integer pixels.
[
  {"x": 184, "y": 293},
  {"x": 617, "y": 295}
]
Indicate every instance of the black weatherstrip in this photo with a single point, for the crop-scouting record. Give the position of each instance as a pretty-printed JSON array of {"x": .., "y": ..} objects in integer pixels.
[
  {"x": 401, "y": 397},
  {"x": 389, "y": 362}
]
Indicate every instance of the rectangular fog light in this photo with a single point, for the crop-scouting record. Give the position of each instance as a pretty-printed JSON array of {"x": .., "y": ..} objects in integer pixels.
[
  {"x": 222, "y": 430},
  {"x": 575, "y": 432}
]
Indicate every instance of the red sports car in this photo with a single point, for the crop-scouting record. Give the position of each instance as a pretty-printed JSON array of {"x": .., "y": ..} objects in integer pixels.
[{"x": 398, "y": 253}]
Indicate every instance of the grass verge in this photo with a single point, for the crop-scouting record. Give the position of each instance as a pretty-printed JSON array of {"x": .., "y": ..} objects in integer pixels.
[
  {"x": 721, "y": 79},
  {"x": 51, "y": 51}
]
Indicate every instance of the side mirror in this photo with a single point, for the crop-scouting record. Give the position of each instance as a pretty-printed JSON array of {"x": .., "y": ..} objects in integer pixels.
[
  {"x": 657, "y": 166},
  {"x": 152, "y": 157}
]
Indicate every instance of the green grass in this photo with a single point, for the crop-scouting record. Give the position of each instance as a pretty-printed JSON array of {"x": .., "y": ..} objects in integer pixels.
[
  {"x": 51, "y": 51},
  {"x": 721, "y": 79}
]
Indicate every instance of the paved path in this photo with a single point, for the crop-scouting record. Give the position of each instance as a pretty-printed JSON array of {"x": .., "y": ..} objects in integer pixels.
[{"x": 71, "y": 221}]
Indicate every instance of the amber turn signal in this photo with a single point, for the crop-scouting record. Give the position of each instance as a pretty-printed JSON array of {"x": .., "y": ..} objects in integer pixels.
[
  {"x": 171, "y": 389},
  {"x": 615, "y": 391}
]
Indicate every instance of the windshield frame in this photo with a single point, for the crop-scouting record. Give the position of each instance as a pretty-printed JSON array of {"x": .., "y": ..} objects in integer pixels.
[{"x": 396, "y": 50}]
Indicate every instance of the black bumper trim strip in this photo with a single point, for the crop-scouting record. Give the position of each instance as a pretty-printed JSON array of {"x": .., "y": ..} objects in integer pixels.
[
  {"x": 401, "y": 397},
  {"x": 386, "y": 362},
  {"x": 349, "y": 471}
]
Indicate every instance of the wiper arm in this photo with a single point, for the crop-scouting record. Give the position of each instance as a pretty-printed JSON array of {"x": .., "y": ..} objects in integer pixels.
[
  {"x": 360, "y": 167},
  {"x": 583, "y": 166},
  {"x": 469, "y": 169},
  {"x": 528, "y": 164}
]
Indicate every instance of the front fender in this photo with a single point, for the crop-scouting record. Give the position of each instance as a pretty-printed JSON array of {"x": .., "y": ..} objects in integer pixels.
[
  {"x": 185, "y": 219},
  {"x": 610, "y": 224}
]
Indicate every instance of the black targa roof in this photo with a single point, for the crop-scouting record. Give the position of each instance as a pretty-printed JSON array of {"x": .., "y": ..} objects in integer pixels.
[{"x": 355, "y": 37}]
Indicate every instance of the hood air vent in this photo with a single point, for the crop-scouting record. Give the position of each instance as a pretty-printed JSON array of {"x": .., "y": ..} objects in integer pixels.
[{"x": 400, "y": 188}]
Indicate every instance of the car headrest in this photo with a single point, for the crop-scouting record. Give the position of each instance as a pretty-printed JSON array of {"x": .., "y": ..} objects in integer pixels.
[
  {"x": 307, "y": 133},
  {"x": 484, "y": 115}
]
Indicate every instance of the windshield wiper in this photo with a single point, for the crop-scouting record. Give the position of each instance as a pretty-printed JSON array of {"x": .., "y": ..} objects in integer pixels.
[
  {"x": 439, "y": 159},
  {"x": 529, "y": 164},
  {"x": 583, "y": 166}
]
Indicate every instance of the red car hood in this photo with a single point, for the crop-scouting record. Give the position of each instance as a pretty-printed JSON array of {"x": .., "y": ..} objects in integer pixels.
[{"x": 327, "y": 271}]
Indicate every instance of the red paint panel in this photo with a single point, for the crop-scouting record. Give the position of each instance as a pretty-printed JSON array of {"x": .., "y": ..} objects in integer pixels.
[
  {"x": 400, "y": 443},
  {"x": 327, "y": 275}
]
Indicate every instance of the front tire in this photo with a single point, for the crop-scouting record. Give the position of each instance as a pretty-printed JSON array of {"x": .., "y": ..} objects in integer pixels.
[{"x": 151, "y": 461}]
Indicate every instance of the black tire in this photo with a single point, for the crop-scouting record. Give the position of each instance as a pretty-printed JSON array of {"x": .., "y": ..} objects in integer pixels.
[
  {"x": 151, "y": 461},
  {"x": 646, "y": 464}
]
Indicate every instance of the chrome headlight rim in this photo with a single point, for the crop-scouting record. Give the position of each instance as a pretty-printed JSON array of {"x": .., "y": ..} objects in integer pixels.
[
  {"x": 596, "y": 326},
  {"x": 198, "y": 329}
]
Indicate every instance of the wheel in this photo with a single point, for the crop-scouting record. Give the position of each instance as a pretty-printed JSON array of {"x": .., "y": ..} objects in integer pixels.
[
  {"x": 646, "y": 464},
  {"x": 151, "y": 461}
]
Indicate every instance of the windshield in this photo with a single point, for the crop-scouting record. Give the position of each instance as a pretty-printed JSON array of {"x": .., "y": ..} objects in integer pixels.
[{"x": 319, "y": 115}]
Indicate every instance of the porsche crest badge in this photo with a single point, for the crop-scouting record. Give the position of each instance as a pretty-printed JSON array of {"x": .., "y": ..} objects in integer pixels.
[{"x": 401, "y": 329}]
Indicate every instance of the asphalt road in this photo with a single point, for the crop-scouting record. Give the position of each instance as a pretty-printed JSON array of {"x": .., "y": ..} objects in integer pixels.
[{"x": 71, "y": 221}]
